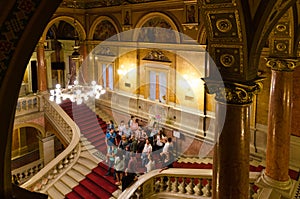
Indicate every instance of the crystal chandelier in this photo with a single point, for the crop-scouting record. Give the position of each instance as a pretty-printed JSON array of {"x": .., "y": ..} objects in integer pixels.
[{"x": 76, "y": 93}]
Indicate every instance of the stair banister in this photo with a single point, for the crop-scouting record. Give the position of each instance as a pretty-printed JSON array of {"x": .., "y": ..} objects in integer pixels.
[
  {"x": 59, "y": 165},
  {"x": 151, "y": 183}
]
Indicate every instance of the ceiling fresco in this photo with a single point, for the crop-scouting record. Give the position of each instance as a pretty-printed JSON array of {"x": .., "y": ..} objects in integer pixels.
[{"x": 84, "y": 4}]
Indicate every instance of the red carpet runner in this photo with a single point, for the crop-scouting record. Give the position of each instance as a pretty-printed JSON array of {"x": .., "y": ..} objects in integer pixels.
[{"x": 96, "y": 185}]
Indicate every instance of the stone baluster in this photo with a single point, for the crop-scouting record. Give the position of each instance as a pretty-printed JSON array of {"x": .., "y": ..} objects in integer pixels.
[
  {"x": 175, "y": 185},
  {"x": 251, "y": 190},
  {"x": 169, "y": 185},
  {"x": 208, "y": 188},
  {"x": 138, "y": 193},
  {"x": 198, "y": 188},
  {"x": 190, "y": 187},
  {"x": 182, "y": 185},
  {"x": 156, "y": 184},
  {"x": 162, "y": 184}
]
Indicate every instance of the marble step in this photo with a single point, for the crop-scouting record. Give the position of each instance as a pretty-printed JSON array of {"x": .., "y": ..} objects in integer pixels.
[
  {"x": 117, "y": 193},
  {"x": 76, "y": 175},
  {"x": 62, "y": 187},
  {"x": 87, "y": 147},
  {"x": 54, "y": 193},
  {"x": 68, "y": 180},
  {"x": 90, "y": 164},
  {"x": 82, "y": 169},
  {"x": 89, "y": 155}
]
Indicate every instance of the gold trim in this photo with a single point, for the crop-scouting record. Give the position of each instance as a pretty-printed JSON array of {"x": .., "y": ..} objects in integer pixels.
[
  {"x": 233, "y": 92},
  {"x": 281, "y": 64}
]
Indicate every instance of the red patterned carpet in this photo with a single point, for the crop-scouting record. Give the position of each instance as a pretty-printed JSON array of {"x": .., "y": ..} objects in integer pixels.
[{"x": 96, "y": 184}]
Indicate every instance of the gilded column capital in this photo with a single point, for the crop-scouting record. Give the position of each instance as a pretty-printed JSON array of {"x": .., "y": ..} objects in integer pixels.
[
  {"x": 282, "y": 64},
  {"x": 234, "y": 92}
]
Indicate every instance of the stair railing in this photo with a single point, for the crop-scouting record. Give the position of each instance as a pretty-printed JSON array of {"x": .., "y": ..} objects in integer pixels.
[
  {"x": 186, "y": 183},
  {"x": 67, "y": 128}
]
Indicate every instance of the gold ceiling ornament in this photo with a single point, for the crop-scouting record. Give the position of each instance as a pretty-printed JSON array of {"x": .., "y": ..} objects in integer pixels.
[
  {"x": 227, "y": 60},
  {"x": 223, "y": 25},
  {"x": 282, "y": 64}
]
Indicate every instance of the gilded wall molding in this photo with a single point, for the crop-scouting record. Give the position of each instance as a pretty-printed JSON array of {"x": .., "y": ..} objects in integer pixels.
[
  {"x": 233, "y": 92},
  {"x": 269, "y": 19},
  {"x": 227, "y": 39},
  {"x": 281, "y": 38},
  {"x": 280, "y": 64}
]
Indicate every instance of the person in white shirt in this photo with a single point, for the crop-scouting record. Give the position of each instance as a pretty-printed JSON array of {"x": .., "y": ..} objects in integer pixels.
[
  {"x": 151, "y": 164},
  {"x": 127, "y": 132},
  {"x": 134, "y": 126},
  {"x": 146, "y": 151},
  {"x": 159, "y": 143},
  {"x": 166, "y": 147},
  {"x": 119, "y": 167},
  {"x": 121, "y": 128}
]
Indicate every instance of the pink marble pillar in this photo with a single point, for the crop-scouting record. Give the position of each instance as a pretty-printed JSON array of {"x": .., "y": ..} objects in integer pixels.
[
  {"x": 42, "y": 71},
  {"x": 279, "y": 121},
  {"x": 231, "y": 157},
  {"x": 232, "y": 139}
]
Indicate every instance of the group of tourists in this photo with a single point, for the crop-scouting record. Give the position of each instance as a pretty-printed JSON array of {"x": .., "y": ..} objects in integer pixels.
[{"x": 133, "y": 149}]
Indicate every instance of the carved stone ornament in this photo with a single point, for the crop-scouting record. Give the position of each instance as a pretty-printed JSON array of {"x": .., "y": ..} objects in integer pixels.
[
  {"x": 281, "y": 64},
  {"x": 224, "y": 25},
  {"x": 234, "y": 93},
  {"x": 227, "y": 60},
  {"x": 156, "y": 55}
]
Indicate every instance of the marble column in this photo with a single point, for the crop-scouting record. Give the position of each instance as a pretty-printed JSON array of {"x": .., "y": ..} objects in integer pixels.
[
  {"x": 42, "y": 72},
  {"x": 279, "y": 124},
  {"x": 47, "y": 149},
  {"x": 232, "y": 140}
]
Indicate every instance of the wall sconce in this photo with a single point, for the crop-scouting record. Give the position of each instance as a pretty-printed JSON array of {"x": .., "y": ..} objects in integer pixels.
[{"x": 122, "y": 71}]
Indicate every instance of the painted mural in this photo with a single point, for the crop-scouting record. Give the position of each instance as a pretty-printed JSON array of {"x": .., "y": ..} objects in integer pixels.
[
  {"x": 103, "y": 3},
  {"x": 104, "y": 30},
  {"x": 157, "y": 30}
]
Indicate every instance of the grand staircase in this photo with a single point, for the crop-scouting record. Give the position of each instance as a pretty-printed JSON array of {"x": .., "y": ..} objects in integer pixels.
[{"x": 87, "y": 177}]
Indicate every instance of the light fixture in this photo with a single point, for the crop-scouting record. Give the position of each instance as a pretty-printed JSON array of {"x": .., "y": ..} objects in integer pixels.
[
  {"x": 76, "y": 93},
  {"x": 75, "y": 54}
]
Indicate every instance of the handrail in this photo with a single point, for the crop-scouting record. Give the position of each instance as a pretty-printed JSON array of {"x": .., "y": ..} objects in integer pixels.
[
  {"x": 64, "y": 161},
  {"x": 186, "y": 186}
]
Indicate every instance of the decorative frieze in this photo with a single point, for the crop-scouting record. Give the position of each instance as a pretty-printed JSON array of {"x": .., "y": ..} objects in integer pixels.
[
  {"x": 281, "y": 64},
  {"x": 232, "y": 92}
]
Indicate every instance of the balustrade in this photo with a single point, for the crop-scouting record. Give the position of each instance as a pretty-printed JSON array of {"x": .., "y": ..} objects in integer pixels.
[
  {"x": 64, "y": 161},
  {"x": 22, "y": 174},
  {"x": 28, "y": 104},
  {"x": 187, "y": 183}
]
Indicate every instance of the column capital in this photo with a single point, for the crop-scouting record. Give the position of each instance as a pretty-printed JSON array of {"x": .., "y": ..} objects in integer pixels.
[
  {"x": 282, "y": 64},
  {"x": 234, "y": 92}
]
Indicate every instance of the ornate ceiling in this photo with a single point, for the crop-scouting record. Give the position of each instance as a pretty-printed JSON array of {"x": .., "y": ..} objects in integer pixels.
[{"x": 85, "y": 4}]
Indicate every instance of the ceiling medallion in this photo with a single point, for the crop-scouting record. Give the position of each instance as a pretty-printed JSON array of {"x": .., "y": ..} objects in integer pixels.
[
  {"x": 227, "y": 60},
  {"x": 281, "y": 47},
  {"x": 281, "y": 27},
  {"x": 224, "y": 25}
]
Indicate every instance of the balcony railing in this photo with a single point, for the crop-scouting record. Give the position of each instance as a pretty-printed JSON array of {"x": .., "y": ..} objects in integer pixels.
[
  {"x": 28, "y": 104},
  {"x": 177, "y": 183}
]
